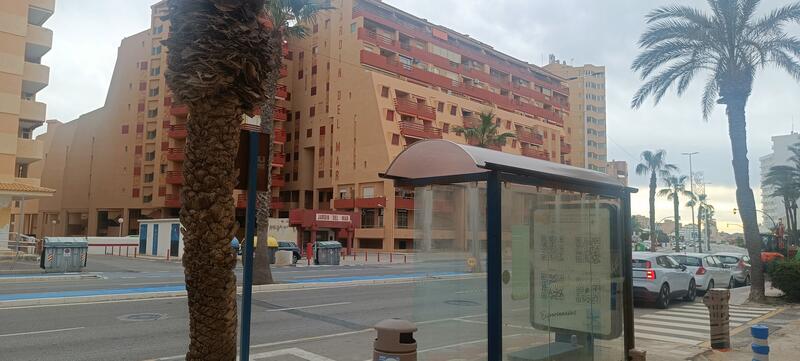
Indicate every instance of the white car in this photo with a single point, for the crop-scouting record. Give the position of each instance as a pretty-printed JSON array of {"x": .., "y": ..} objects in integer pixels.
[
  {"x": 709, "y": 271},
  {"x": 659, "y": 278},
  {"x": 739, "y": 264}
]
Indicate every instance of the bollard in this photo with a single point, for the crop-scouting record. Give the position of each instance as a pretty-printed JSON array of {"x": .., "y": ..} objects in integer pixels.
[
  {"x": 760, "y": 345},
  {"x": 390, "y": 257},
  {"x": 379, "y": 257},
  {"x": 637, "y": 354},
  {"x": 716, "y": 300},
  {"x": 395, "y": 341},
  {"x": 404, "y": 258}
]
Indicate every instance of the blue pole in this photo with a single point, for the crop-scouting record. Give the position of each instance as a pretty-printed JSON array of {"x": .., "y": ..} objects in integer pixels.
[
  {"x": 250, "y": 227},
  {"x": 494, "y": 251}
]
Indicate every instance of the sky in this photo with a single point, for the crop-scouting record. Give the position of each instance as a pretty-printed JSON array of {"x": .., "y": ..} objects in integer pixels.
[{"x": 88, "y": 32}]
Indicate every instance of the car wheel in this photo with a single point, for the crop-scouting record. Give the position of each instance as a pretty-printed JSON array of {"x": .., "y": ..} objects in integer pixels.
[
  {"x": 692, "y": 292},
  {"x": 663, "y": 297},
  {"x": 731, "y": 283},
  {"x": 710, "y": 285},
  {"x": 295, "y": 259}
]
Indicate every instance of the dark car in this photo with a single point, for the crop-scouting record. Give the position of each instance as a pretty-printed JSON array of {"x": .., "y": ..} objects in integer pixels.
[{"x": 290, "y": 246}]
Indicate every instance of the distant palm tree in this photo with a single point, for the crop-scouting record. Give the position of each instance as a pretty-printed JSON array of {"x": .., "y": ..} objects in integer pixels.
[
  {"x": 216, "y": 66},
  {"x": 730, "y": 44},
  {"x": 655, "y": 164},
  {"x": 285, "y": 19},
  {"x": 708, "y": 212},
  {"x": 675, "y": 187},
  {"x": 486, "y": 134},
  {"x": 704, "y": 211}
]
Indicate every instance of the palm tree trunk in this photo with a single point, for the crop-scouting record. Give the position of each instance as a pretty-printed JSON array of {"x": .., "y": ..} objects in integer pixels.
[
  {"x": 708, "y": 231},
  {"x": 676, "y": 205},
  {"x": 793, "y": 234},
  {"x": 744, "y": 194},
  {"x": 208, "y": 217},
  {"x": 262, "y": 274},
  {"x": 653, "y": 237}
]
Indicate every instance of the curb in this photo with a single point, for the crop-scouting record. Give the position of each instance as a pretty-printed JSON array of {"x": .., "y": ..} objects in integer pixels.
[
  {"x": 28, "y": 278},
  {"x": 256, "y": 289}
]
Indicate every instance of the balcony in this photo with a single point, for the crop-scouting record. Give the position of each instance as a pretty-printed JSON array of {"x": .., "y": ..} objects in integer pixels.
[
  {"x": 38, "y": 41},
  {"x": 176, "y": 154},
  {"x": 40, "y": 10},
  {"x": 177, "y": 131},
  {"x": 373, "y": 202},
  {"x": 32, "y": 111},
  {"x": 280, "y": 114},
  {"x": 535, "y": 153},
  {"x": 29, "y": 150},
  {"x": 282, "y": 92},
  {"x": 421, "y": 131},
  {"x": 403, "y": 203},
  {"x": 174, "y": 177},
  {"x": 344, "y": 203},
  {"x": 34, "y": 77},
  {"x": 172, "y": 201},
  {"x": 275, "y": 203},
  {"x": 419, "y": 110},
  {"x": 278, "y": 136},
  {"x": 277, "y": 181},
  {"x": 179, "y": 110},
  {"x": 527, "y": 136},
  {"x": 278, "y": 160},
  {"x": 566, "y": 148}
]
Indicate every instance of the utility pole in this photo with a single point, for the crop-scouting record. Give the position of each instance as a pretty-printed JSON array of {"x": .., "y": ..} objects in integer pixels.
[{"x": 691, "y": 187}]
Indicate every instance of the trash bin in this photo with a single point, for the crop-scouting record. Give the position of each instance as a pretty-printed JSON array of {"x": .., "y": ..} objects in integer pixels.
[
  {"x": 327, "y": 252},
  {"x": 64, "y": 254}
]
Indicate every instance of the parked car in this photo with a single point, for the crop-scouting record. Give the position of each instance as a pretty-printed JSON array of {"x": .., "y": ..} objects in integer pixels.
[
  {"x": 659, "y": 278},
  {"x": 739, "y": 264},
  {"x": 290, "y": 246},
  {"x": 708, "y": 270}
]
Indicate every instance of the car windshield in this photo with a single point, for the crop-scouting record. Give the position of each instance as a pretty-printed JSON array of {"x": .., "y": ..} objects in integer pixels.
[
  {"x": 640, "y": 263},
  {"x": 728, "y": 259},
  {"x": 687, "y": 260}
]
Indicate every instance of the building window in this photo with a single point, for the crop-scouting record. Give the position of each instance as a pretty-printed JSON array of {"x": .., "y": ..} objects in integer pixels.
[
  {"x": 150, "y": 156},
  {"x": 153, "y": 92},
  {"x": 139, "y": 129},
  {"x": 453, "y": 110},
  {"x": 296, "y": 156},
  {"x": 314, "y": 70},
  {"x": 155, "y": 50},
  {"x": 152, "y": 113},
  {"x": 390, "y": 115},
  {"x": 327, "y": 87},
  {"x": 167, "y": 101},
  {"x": 151, "y": 134},
  {"x": 162, "y": 191},
  {"x": 508, "y": 124},
  {"x": 297, "y": 115},
  {"x": 125, "y": 129},
  {"x": 158, "y": 29},
  {"x": 395, "y": 139},
  {"x": 385, "y": 91},
  {"x": 149, "y": 177},
  {"x": 137, "y": 150},
  {"x": 294, "y": 176},
  {"x": 143, "y": 65},
  {"x": 142, "y": 86},
  {"x": 312, "y": 111},
  {"x": 288, "y": 157},
  {"x": 446, "y": 128},
  {"x": 353, "y": 27},
  {"x": 162, "y": 169},
  {"x": 440, "y": 107},
  {"x": 309, "y": 133},
  {"x": 140, "y": 108},
  {"x": 289, "y": 136},
  {"x": 147, "y": 199},
  {"x": 313, "y": 90},
  {"x": 402, "y": 218},
  {"x": 135, "y": 193},
  {"x": 321, "y": 152},
  {"x": 155, "y": 71},
  {"x": 299, "y": 74}
]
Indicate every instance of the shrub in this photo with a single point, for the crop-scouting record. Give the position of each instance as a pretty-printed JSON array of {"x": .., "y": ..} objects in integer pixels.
[{"x": 785, "y": 276}]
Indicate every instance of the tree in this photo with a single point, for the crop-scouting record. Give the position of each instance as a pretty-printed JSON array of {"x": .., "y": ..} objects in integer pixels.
[
  {"x": 708, "y": 212},
  {"x": 675, "y": 188},
  {"x": 654, "y": 163},
  {"x": 730, "y": 45},
  {"x": 702, "y": 202},
  {"x": 284, "y": 19},
  {"x": 486, "y": 134},
  {"x": 216, "y": 67}
]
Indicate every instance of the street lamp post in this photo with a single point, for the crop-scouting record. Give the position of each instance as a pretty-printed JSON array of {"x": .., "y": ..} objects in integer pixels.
[
  {"x": 120, "y": 221},
  {"x": 691, "y": 189}
]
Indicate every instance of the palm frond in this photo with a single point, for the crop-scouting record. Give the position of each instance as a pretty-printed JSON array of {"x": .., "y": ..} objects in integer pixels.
[
  {"x": 710, "y": 92},
  {"x": 642, "y": 169},
  {"x": 678, "y": 12}
]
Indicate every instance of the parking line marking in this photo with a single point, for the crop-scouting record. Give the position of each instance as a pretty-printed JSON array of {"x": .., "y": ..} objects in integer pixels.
[
  {"x": 666, "y": 338},
  {"x": 40, "y": 332},
  {"x": 307, "y": 307}
]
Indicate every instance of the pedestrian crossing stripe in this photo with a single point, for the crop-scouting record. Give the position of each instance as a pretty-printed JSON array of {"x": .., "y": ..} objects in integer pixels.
[
  {"x": 673, "y": 331},
  {"x": 648, "y": 321},
  {"x": 684, "y": 319},
  {"x": 666, "y": 338}
]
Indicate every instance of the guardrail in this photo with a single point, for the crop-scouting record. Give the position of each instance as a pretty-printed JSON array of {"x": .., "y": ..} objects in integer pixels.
[
  {"x": 117, "y": 248},
  {"x": 377, "y": 256}
]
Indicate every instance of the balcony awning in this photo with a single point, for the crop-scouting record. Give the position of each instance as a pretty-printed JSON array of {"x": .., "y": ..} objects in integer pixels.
[
  {"x": 19, "y": 190},
  {"x": 443, "y": 161}
]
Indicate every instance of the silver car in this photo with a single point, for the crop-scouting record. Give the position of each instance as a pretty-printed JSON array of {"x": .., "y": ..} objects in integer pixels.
[{"x": 739, "y": 264}]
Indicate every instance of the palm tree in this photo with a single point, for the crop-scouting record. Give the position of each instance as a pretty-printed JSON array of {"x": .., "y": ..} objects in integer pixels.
[
  {"x": 691, "y": 203},
  {"x": 704, "y": 211},
  {"x": 702, "y": 202},
  {"x": 655, "y": 164},
  {"x": 675, "y": 188},
  {"x": 730, "y": 44},
  {"x": 285, "y": 19},
  {"x": 709, "y": 215},
  {"x": 216, "y": 67},
  {"x": 486, "y": 134}
]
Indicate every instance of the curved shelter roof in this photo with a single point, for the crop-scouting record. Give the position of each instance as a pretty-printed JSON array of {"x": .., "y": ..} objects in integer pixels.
[{"x": 443, "y": 161}]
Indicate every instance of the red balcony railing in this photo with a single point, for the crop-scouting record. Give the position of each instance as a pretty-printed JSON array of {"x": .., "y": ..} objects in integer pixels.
[
  {"x": 344, "y": 203},
  {"x": 275, "y": 203},
  {"x": 535, "y": 153},
  {"x": 172, "y": 201},
  {"x": 527, "y": 136},
  {"x": 278, "y": 136},
  {"x": 282, "y": 92},
  {"x": 277, "y": 181},
  {"x": 280, "y": 114},
  {"x": 566, "y": 148},
  {"x": 418, "y": 110},
  {"x": 179, "y": 110},
  {"x": 421, "y": 131},
  {"x": 278, "y": 160},
  {"x": 176, "y": 154},
  {"x": 174, "y": 177},
  {"x": 177, "y": 131}
]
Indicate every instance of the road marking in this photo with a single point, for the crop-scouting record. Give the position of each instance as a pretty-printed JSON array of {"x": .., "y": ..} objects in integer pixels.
[
  {"x": 673, "y": 324},
  {"x": 702, "y": 336},
  {"x": 306, "y": 307},
  {"x": 150, "y": 283},
  {"x": 690, "y": 309},
  {"x": 679, "y": 313},
  {"x": 683, "y": 319},
  {"x": 666, "y": 338},
  {"x": 90, "y": 303},
  {"x": 303, "y": 354},
  {"x": 40, "y": 332}
]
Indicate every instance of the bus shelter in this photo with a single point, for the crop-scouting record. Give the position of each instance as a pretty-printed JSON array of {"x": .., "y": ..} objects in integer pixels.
[{"x": 537, "y": 255}]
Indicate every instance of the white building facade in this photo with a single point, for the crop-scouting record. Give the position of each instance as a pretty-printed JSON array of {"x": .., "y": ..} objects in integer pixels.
[{"x": 780, "y": 156}]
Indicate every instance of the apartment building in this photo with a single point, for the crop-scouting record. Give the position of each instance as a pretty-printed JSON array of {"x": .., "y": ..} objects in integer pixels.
[
  {"x": 773, "y": 206},
  {"x": 23, "y": 43},
  {"x": 367, "y": 81},
  {"x": 587, "y": 118}
]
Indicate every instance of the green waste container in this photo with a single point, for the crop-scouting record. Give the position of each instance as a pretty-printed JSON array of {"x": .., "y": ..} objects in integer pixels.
[
  {"x": 327, "y": 252},
  {"x": 64, "y": 254}
]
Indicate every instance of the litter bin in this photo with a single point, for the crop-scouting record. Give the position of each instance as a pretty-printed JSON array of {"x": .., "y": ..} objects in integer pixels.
[
  {"x": 327, "y": 252},
  {"x": 64, "y": 254}
]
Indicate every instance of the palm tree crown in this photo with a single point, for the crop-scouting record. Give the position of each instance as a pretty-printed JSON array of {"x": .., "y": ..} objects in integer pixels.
[
  {"x": 729, "y": 45},
  {"x": 675, "y": 187},
  {"x": 485, "y": 134},
  {"x": 654, "y": 163}
]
